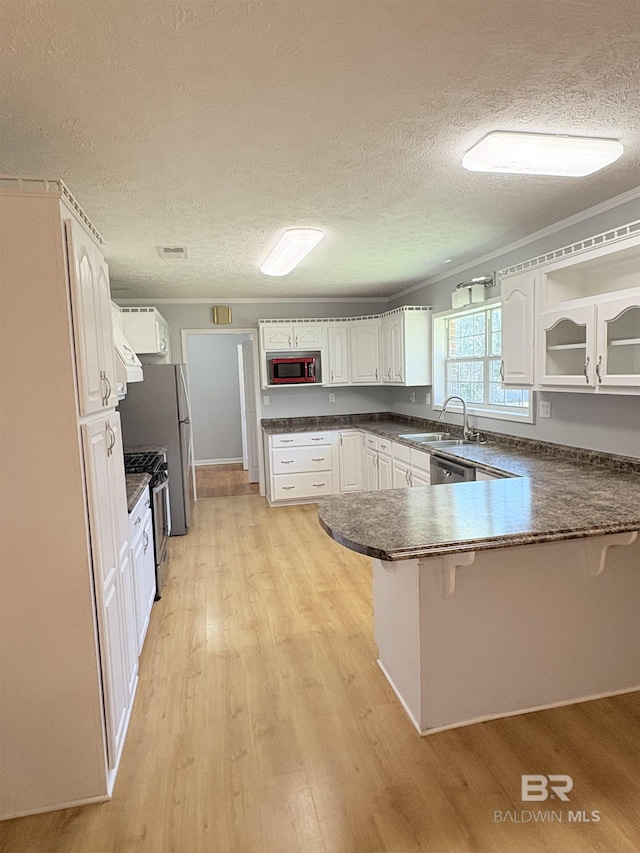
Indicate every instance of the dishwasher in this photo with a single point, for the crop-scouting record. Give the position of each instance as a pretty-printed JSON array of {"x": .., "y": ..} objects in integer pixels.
[{"x": 446, "y": 471}]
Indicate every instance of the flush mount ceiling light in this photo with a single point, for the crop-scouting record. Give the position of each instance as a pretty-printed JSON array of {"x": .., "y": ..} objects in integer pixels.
[
  {"x": 294, "y": 245},
  {"x": 541, "y": 154}
]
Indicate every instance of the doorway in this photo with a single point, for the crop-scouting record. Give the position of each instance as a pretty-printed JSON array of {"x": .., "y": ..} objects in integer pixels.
[{"x": 221, "y": 369}]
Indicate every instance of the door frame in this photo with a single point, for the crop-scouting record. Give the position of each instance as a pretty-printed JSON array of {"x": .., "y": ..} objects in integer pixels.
[{"x": 253, "y": 334}]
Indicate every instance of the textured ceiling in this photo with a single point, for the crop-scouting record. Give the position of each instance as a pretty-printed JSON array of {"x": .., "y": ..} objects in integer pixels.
[{"x": 215, "y": 124}]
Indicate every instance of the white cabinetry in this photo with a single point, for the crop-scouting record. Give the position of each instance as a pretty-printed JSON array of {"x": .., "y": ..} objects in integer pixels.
[
  {"x": 337, "y": 370},
  {"x": 420, "y": 467},
  {"x": 350, "y": 450},
  {"x": 300, "y": 336},
  {"x": 588, "y": 336},
  {"x": 144, "y": 570},
  {"x": 365, "y": 352},
  {"x": 405, "y": 338},
  {"x": 300, "y": 466},
  {"x": 385, "y": 464},
  {"x": 518, "y": 329},
  {"x": 146, "y": 330},
  {"x": 68, "y": 676}
]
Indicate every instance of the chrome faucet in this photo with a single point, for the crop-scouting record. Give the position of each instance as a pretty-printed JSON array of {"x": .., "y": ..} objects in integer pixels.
[{"x": 467, "y": 433}]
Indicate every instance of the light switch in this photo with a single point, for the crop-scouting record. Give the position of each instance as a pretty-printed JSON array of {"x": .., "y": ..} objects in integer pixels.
[{"x": 266, "y": 401}]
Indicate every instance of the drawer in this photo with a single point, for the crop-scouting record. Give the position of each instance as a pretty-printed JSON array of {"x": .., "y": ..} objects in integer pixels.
[
  {"x": 371, "y": 440},
  {"x": 420, "y": 459},
  {"x": 289, "y": 487},
  {"x": 138, "y": 515},
  {"x": 292, "y": 460},
  {"x": 300, "y": 439},
  {"x": 384, "y": 445},
  {"x": 401, "y": 452}
]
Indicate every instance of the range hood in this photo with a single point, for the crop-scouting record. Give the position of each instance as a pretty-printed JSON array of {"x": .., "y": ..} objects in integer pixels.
[{"x": 128, "y": 366}]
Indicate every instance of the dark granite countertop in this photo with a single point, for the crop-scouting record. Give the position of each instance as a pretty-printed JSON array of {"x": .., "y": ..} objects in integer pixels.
[
  {"x": 554, "y": 492},
  {"x": 136, "y": 485}
]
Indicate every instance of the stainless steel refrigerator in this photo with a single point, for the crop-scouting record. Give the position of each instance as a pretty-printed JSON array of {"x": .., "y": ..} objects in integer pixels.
[{"x": 156, "y": 412}]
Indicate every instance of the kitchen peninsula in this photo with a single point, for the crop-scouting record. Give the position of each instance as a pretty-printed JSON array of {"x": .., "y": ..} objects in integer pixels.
[{"x": 503, "y": 596}]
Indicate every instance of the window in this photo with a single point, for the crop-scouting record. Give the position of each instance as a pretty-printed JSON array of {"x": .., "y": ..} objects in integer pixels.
[{"x": 467, "y": 362}]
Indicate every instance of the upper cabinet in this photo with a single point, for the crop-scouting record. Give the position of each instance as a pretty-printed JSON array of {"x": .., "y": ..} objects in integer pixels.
[
  {"x": 518, "y": 327},
  {"x": 365, "y": 351},
  {"x": 147, "y": 331},
  {"x": 275, "y": 337},
  {"x": 588, "y": 335},
  {"x": 90, "y": 294},
  {"x": 338, "y": 354},
  {"x": 405, "y": 338}
]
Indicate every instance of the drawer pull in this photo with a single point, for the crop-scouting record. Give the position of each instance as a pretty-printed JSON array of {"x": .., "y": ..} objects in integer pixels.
[
  {"x": 138, "y": 520},
  {"x": 318, "y": 485},
  {"x": 286, "y": 461},
  {"x": 287, "y": 488},
  {"x": 317, "y": 439},
  {"x": 145, "y": 537},
  {"x": 286, "y": 440},
  {"x": 320, "y": 459}
]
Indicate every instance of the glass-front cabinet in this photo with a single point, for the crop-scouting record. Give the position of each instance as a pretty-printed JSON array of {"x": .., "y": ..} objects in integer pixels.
[
  {"x": 618, "y": 341},
  {"x": 567, "y": 344}
]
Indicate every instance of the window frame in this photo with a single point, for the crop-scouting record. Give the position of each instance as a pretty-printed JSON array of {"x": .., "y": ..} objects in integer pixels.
[{"x": 440, "y": 360}]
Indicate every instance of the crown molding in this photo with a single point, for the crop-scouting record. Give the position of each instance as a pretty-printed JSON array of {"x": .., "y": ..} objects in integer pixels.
[
  {"x": 602, "y": 207},
  {"x": 213, "y": 300}
]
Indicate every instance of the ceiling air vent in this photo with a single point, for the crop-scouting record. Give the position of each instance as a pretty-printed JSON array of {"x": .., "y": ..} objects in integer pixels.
[{"x": 173, "y": 252}]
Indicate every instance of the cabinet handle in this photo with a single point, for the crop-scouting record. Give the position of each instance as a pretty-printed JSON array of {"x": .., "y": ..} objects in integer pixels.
[
  {"x": 148, "y": 502},
  {"x": 586, "y": 370},
  {"x": 317, "y": 439},
  {"x": 107, "y": 393},
  {"x": 599, "y": 362},
  {"x": 112, "y": 442},
  {"x": 318, "y": 485},
  {"x": 332, "y": 375},
  {"x": 286, "y": 461},
  {"x": 376, "y": 374},
  {"x": 146, "y": 541},
  {"x": 289, "y": 340},
  {"x": 137, "y": 521},
  {"x": 286, "y": 440},
  {"x": 502, "y": 370},
  {"x": 287, "y": 488},
  {"x": 407, "y": 477},
  {"x": 297, "y": 341},
  {"x": 320, "y": 459}
]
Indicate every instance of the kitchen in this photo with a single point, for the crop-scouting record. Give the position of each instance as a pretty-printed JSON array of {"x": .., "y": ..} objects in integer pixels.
[{"x": 246, "y": 665}]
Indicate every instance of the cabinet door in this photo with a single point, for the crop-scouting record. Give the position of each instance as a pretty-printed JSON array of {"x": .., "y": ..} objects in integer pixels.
[
  {"x": 370, "y": 470},
  {"x": 277, "y": 337},
  {"x": 567, "y": 346},
  {"x": 385, "y": 471},
  {"x": 396, "y": 348},
  {"x": 618, "y": 340},
  {"x": 91, "y": 321},
  {"x": 338, "y": 354},
  {"x": 110, "y": 560},
  {"x": 349, "y": 448},
  {"x": 420, "y": 477},
  {"x": 365, "y": 352},
  {"x": 385, "y": 349},
  {"x": 517, "y": 295},
  {"x": 401, "y": 474},
  {"x": 308, "y": 337}
]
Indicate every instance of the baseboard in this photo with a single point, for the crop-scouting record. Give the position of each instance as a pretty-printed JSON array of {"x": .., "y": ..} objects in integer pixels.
[
  {"x": 199, "y": 462},
  {"x": 55, "y": 807}
]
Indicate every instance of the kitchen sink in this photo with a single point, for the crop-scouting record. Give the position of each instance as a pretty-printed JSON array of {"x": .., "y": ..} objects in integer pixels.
[
  {"x": 450, "y": 442},
  {"x": 426, "y": 437}
]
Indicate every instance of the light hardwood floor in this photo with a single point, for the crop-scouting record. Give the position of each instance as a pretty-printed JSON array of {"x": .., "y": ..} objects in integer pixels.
[
  {"x": 218, "y": 481},
  {"x": 262, "y": 724}
]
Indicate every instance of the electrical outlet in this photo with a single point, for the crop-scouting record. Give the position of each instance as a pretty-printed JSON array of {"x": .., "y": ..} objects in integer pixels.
[
  {"x": 332, "y": 398},
  {"x": 266, "y": 400},
  {"x": 412, "y": 397},
  {"x": 544, "y": 409},
  {"x": 428, "y": 398}
]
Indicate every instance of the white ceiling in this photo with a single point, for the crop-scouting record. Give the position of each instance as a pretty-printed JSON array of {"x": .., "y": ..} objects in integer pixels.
[{"x": 215, "y": 124}]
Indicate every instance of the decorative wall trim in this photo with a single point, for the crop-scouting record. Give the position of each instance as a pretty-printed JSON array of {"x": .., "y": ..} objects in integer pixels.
[
  {"x": 316, "y": 320},
  {"x": 267, "y": 300},
  {"x": 606, "y": 238}
]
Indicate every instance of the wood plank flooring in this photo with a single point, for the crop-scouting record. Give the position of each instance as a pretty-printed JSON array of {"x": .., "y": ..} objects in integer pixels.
[
  {"x": 218, "y": 481},
  {"x": 262, "y": 724}
]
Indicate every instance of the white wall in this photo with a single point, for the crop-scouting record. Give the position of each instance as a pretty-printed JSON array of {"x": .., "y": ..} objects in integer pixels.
[{"x": 610, "y": 424}]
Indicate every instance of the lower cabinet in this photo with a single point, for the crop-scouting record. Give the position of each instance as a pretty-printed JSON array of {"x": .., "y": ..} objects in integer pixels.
[
  {"x": 300, "y": 466},
  {"x": 350, "y": 452},
  {"x": 144, "y": 568}
]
